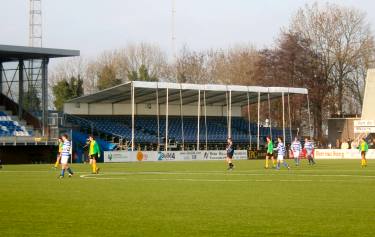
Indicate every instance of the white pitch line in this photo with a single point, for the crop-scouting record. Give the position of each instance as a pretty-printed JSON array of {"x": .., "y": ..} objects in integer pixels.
[
  {"x": 238, "y": 174},
  {"x": 216, "y": 180}
]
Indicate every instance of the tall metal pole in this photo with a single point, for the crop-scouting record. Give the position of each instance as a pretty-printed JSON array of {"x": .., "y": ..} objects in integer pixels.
[
  {"x": 21, "y": 69},
  {"x": 133, "y": 111},
  {"x": 269, "y": 114},
  {"x": 157, "y": 117},
  {"x": 227, "y": 108},
  {"x": 45, "y": 95},
  {"x": 290, "y": 121},
  {"x": 182, "y": 122},
  {"x": 166, "y": 121},
  {"x": 308, "y": 112},
  {"x": 199, "y": 113},
  {"x": 258, "y": 123},
  {"x": 173, "y": 31},
  {"x": 283, "y": 101},
  {"x": 230, "y": 115},
  {"x": 35, "y": 36},
  {"x": 248, "y": 117},
  {"x": 71, "y": 146},
  {"x": 205, "y": 116},
  {"x": 1, "y": 78}
]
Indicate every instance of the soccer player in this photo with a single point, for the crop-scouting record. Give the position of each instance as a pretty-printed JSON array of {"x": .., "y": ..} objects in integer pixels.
[
  {"x": 363, "y": 148},
  {"x": 65, "y": 154},
  {"x": 230, "y": 152},
  {"x": 281, "y": 153},
  {"x": 270, "y": 152},
  {"x": 309, "y": 147},
  {"x": 60, "y": 145},
  {"x": 296, "y": 150},
  {"x": 94, "y": 154}
]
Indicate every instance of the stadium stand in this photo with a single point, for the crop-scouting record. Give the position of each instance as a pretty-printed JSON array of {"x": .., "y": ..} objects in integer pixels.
[{"x": 138, "y": 113}]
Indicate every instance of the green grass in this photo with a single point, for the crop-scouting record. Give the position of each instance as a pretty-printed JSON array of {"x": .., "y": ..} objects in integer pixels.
[{"x": 334, "y": 198}]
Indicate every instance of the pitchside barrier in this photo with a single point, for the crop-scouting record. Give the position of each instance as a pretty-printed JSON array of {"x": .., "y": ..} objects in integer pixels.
[
  {"x": 342, "y": 154},
  {"x": 132, "y": 156}
]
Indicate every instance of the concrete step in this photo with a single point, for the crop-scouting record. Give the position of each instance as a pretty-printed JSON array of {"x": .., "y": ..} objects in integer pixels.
[
  {"x": 29, "y": 127},
  {"x": 21, "y": 122}
]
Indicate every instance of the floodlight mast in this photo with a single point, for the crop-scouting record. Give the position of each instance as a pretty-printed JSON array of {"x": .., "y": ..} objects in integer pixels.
[
  {"x": 37, "y": 71},
  {"x": 35, "y": 24},
  {"x": 173, "y": 31},
  {"x": 35, "y": 37}
]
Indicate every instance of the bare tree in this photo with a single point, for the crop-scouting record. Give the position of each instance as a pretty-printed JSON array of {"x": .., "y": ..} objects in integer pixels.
[
  {"x": 145, "y": 55},
  {"x": 108, "y": 69},
  {"x": 292, "y": 63},
  {"x": 72, "y": 67},
  {"x": 190, "y": 67},
  {"x": 237, "y": 65},
  {"x": 340, "y": 36}
]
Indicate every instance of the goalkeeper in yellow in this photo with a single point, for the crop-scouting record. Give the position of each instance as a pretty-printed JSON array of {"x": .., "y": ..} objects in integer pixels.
[
  {"x": 270, "y": 153},
  {"x": 60, "y": 144},
  {"x": 94, "y": 154},
  {"x": 363, "y": 148}
]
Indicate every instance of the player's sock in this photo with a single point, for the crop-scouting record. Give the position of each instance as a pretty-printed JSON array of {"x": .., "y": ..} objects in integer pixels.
[
  {"x": 266, "y": 163},
  {"x": 56, "y": 164},
  {"x": 363, "y": 163},
  {"x": 62, "y": 172},
  {"x": 70, "y": 171},
  {"x": 273, "y": 163},
  {"x": 286, "y": 165},
  {"x": 94, "y": 168}
]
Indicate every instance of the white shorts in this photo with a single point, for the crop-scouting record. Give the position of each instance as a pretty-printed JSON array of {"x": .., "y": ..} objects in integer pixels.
[
  {"x": 280, "y": 157},
  {"x": 64, "y": 159},
  {"x": 296, "y": 154}
]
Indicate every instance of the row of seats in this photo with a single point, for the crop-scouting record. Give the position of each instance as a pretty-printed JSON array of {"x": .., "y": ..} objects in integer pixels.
[
  {"x": 146, "y": 128},
  {"x": 9, "y": 127}
]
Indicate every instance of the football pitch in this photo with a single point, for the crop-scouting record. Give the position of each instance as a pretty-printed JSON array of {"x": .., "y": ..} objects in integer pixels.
[{"x": 333, "y": 198}]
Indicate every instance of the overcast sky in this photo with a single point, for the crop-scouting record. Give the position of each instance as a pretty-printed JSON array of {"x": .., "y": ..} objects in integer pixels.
[{"x": 96, "y": 25}]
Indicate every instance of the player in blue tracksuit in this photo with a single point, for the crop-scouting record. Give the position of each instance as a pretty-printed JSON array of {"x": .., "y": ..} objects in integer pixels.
[
  {"x": 309, "y": 147},
  {"x": 281, "y": 153},
  {"x": 230, "y": 151}
]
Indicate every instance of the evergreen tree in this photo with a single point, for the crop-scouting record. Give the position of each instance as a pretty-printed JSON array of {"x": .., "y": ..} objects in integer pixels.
[{"x": 64, "y": 90}]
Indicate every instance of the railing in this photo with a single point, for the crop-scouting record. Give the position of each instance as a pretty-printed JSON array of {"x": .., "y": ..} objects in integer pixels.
[{"x": 15, "y": 140}]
